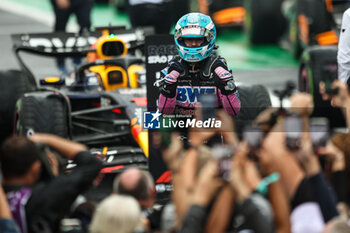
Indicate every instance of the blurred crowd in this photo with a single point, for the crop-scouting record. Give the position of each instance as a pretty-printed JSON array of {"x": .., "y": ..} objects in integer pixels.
[{"x": 276, "y": 185}]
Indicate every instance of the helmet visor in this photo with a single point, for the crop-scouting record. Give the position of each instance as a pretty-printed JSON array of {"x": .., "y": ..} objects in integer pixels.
[
  {"x": 194, "y": 31},
  {"x": 192, "y": 42}
]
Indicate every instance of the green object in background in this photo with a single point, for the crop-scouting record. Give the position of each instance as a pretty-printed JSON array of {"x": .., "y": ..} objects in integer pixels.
[{"x": 233, "y": 46}]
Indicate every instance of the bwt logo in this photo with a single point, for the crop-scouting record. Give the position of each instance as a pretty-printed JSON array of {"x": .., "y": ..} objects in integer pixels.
[
  {"x": 187, "y": 94},
  {"x": 151, "y": 120}
]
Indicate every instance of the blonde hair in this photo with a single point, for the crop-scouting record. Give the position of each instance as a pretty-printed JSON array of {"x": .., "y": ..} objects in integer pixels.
[{"x": 116, "y": 214}]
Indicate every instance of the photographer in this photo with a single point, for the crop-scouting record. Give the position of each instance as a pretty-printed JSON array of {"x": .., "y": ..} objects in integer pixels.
[
  {"x": 40, "y": 206},
  {"x": 196, "y": 70}
]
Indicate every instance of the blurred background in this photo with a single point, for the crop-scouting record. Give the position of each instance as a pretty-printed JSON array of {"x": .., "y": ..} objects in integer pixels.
[{"x": 270, "y": 65}]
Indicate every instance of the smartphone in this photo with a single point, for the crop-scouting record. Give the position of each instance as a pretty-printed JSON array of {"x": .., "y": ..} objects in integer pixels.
[
  {"x": 330, "y": 73},
  {"x": 208, "y": 102},
  {"x": 319, "y": 132},
  {"x": 223, "y": 153},
  {"x": 293, "y": 127},
  {"x": 253, "y": 136}
]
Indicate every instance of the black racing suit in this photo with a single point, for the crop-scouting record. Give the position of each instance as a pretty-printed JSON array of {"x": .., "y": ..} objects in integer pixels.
[{"x": 197, "y": 78}]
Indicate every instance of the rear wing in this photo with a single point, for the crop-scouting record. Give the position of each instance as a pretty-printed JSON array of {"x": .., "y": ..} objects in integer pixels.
[
  {"x": 72, "y": 44},
  {"x": 62, "y": 44}
]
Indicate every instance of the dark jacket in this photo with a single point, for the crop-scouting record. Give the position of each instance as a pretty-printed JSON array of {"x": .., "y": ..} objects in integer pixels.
[{"x": 50, "y": 201}]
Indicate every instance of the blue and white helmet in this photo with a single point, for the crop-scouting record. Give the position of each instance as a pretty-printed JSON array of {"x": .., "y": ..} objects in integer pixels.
[{"x": 195, "y": 25}]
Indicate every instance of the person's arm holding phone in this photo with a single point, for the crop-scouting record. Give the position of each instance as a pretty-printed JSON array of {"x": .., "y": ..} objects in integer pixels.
[
  {"x": 303, "y": 105},
  {"x": 275, "y": 145},
  {"x": 321, "y": 191},
  {"x": 64, "y": 147},
  {"x": 340, "y": 100},
  {"x": 228, "y": 128},
  {"x": 277, "y": 197},
  {"x": 222, "y": 208},
  {"x": 207, "y": 185},
  {"x": 174, "y": 161},
  {"x": 337, "y": 159},
  {"x": 256, "y": 217}
]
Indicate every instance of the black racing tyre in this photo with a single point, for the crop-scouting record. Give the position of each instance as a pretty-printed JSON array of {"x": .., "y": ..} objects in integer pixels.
[
  {"x": 313, "y": 63},
  {"x": 254, "y": 100},
  {"x": 42, "y": 112},
  {"x": 13, "y": 84},
  {"x": 264, "y": 22}
]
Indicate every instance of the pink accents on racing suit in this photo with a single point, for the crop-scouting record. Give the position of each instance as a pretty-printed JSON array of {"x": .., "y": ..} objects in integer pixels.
[
  {"x": 223, "y": 74},
  {"x": 231, "y": 103},
  {"x": 166, "y": 105},
  {"x": 171, "y": 78}
]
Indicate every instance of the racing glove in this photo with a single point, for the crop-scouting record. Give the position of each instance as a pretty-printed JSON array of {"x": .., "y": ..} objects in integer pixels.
[
  {"x": 168, "y": 86},
  {"x": 223, "y": 78}
]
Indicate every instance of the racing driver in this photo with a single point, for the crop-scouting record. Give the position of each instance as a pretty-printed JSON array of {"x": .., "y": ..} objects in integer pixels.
[{"x": 196, "y": 70}]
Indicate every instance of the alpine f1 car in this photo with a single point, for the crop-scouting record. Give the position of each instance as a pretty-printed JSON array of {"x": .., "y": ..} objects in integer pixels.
[{"x": 101, "y": 108}]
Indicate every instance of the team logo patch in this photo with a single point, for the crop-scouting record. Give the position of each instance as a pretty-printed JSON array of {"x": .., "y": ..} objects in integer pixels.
[{"x": 190, "y": 95}]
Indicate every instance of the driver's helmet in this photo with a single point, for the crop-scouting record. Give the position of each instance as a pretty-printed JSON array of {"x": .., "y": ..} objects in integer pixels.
[{"x": 194, "y": 25}]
